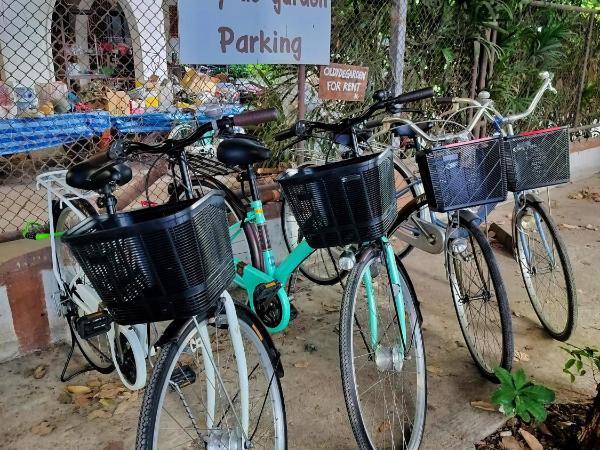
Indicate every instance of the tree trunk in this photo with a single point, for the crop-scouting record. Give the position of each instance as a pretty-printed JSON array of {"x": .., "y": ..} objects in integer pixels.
[{"x": 589, "y": 436}]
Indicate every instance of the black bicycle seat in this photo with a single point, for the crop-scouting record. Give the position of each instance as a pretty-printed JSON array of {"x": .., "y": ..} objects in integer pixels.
[
  {"x": 242, "y": 152},
  {"x": 97, "y": 172},
  {"x": 407, "y": 131}
]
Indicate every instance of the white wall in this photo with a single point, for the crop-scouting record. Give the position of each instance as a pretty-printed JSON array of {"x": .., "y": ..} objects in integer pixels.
[
  {"x": 26, "y": 47},
  {"x": 25, "y": 37},
  {"x": 9, "y": 345}
]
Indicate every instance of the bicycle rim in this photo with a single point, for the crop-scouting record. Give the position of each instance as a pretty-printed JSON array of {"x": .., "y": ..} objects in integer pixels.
[
  {"x": 175, "y": 410},
  {"x": 546, "y": 271},
  {"x": 480, "y": 300},
  {"x": 386, "y": 404}
]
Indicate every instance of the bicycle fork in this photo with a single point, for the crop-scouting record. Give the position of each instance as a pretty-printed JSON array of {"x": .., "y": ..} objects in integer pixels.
[
  {"x": 214, "y": 379},
  {"x": 387, "y": 358}
]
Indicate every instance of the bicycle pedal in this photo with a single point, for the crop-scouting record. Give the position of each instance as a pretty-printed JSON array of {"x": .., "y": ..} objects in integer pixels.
[
  {"x": 93, "y": 324},
  {"x": 183, "y": 376},
  {"x": 266, "y": 290}
]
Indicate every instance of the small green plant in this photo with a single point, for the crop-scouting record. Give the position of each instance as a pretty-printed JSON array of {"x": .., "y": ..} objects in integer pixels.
[
  {"x": 518, "y": 396},
  {"x": 581, "y": 361}
]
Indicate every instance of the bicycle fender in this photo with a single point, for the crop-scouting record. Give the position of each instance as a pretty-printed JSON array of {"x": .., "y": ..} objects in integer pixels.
[
  {"x": 532, "y": 197},
  {"x": 263, "y": 335},
  {"x": 469, "y": 216}
]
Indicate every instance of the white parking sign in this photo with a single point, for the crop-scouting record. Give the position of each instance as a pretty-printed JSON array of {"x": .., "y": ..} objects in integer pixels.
[{"x": 255, "y": 31}]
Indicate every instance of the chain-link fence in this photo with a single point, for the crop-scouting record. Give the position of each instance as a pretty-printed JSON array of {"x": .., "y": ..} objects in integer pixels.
[
  {"x": 501, "y": 46},
  {"x": 76, "y": 73}
]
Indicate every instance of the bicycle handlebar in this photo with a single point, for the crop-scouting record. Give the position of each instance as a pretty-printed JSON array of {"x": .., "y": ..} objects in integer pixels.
[
  {"x": 303, "y": 128},
  {"x": 120, "y": 149}
]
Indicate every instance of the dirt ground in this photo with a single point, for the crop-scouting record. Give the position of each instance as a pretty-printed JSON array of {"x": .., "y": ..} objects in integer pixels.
[{"x": 313, "y": 395}]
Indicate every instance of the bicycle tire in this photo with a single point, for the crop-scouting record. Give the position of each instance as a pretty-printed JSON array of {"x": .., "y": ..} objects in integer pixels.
[
  {"x": 355, "y": 407},
  {"x": 154, "y": 396},
  {"x": 87, "y": 348},
  {"x": 503, "y": 322},
  {"x": 560, "y": 333}
]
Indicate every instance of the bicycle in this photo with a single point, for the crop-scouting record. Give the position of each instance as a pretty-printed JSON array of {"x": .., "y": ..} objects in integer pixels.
[
  {"x": 477, "y": 288},
  {"x": 157, "y": 264},
  {"x": 538, "y": 246},
  {"x": 393, "y": 339},
  {"x": 104, "y": 345}
]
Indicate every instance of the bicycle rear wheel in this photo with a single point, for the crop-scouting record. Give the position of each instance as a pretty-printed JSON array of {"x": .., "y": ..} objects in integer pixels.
[
  {"x": 96, "y": 350},
  {"x": 385, "y": 385},
  {"x": 176, "y": 410},
  {"x": 546, "y": 270},
  {"x": 479, "y": 298}
]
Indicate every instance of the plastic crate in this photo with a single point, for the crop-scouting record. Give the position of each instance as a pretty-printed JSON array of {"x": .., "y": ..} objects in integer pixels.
[
  {"x": 163, "y": 263},
  {"x": 537, "y": 158},
  {"x": 463, "y": 175},
  {"x": 349, "y": 201}
]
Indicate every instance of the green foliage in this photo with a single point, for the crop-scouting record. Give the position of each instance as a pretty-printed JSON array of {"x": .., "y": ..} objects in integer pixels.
[
  {"x": 518, "y": 396},
  {"x": 581, "y": 361}
]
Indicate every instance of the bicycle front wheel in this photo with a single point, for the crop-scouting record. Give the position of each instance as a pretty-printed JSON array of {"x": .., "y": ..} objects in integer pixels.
[
  {"x": 546, "y": 270},
  {"x": 193, "y": 401},
  {"x": 479, "y": 298},
  {"x": 382, "y": 366}
]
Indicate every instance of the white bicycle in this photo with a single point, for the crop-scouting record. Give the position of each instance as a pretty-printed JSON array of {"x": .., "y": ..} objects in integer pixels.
[{"x": 104, "y": 344}]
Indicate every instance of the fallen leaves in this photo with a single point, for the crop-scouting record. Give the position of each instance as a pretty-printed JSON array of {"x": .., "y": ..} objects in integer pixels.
[
  {"x": 40, "y": 371},
  {"x": 531, "y": 440},
  {"x": 79, "y": 389},
  {"x": 588, "y": 227},
  {"x": 43, "y": 428},
  {"x": 301, "y": 364},
  {"x": 99, "y": 414},
  {"x": 99, "y": 400},
  {"x": 585, "y": 194},
  {"x": 568, "y": 226},
  {"x": 511, "y": 443},
  {"x": 330, "y": 308},
  {"x": 434, "y": 370},
  {"x": 386, "y": 425},
  {"x": 521, "y": 356},
  {"x": 484, "y": 405}
]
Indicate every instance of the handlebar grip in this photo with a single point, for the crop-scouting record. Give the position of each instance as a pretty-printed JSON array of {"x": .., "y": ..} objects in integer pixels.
[
  {"x": 443, "y": 100},
  {"x": 414, "y": 96},
  {"x": 375, "y": 123},
  {"x": 256, "y": 117},
  {"x": 285, "y": 134}
]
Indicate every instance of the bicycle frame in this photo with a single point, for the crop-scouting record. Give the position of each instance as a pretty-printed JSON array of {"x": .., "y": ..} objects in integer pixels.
[{"x": 248, "y": 277}]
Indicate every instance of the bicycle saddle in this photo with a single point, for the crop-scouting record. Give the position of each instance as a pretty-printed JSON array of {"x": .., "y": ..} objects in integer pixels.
[
  {"x": 97, "y": 172},
  {"x": 406, "y": 131},
  {"x": 242, "y": 152}
]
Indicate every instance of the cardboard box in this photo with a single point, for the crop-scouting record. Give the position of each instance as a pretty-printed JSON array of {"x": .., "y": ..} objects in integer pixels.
[
  {"x": 199, "y": 83},
  {"x": 117, "y": 102}
]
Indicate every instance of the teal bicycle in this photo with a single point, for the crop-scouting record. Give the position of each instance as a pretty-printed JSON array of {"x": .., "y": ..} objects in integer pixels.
[{"x": 348, "y": 204}]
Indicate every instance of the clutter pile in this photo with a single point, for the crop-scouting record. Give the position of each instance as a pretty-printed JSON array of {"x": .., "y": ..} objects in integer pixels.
[{"x": 195, "y": 88}]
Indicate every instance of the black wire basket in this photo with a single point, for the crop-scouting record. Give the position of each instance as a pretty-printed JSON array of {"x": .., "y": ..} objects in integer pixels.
[
  {"x": 537, "y": 158},
  {"x": 162, "y": 263},
  {"x": 463, "y": 175},
  {"x": 349, "y": 201}
]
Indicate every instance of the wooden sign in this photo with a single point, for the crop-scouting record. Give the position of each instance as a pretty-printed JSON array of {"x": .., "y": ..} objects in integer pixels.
[{"x": 343, "y": 82}]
